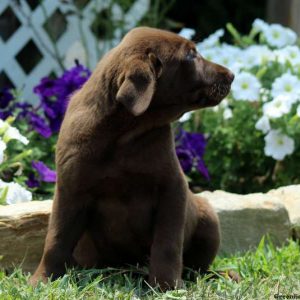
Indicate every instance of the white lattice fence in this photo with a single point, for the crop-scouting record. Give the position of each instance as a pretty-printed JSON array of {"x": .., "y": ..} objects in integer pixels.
[{"x": 27, "y": 52}]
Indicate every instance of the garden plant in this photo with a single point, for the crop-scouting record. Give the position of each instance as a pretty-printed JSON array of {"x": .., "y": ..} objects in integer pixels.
[{"x": 252, "y": 137}]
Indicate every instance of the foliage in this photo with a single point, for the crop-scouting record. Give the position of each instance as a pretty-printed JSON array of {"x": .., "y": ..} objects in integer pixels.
[
  {"x": 11, "y": 165},
  {"x": 265, "y": 272},
  {"x": 41, "y": 124}
]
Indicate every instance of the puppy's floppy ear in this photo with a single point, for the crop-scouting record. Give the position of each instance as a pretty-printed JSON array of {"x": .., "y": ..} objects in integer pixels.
[
  {"x": 138, "y": 85},
  {"x": 156, "y": 63}
]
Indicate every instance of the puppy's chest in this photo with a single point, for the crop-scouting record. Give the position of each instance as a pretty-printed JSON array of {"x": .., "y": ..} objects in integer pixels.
[{"x": 125, "y": 208}]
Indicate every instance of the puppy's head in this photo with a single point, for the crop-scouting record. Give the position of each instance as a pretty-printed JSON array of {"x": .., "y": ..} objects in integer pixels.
[{"x": 160, "y": 68}]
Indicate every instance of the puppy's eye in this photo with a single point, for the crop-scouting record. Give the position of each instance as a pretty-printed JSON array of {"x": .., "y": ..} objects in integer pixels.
[{"x": 192, "y": 54}]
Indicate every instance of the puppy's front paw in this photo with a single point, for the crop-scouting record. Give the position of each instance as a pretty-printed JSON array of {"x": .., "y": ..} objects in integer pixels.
[
  {"x": 36, "y": 278},
  {"x": 165, "y": 283}
]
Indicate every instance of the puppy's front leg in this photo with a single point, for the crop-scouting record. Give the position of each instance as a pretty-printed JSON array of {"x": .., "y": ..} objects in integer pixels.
[
  {"x": 66, "y": 225},
  {"x": 167, "y": 246}
]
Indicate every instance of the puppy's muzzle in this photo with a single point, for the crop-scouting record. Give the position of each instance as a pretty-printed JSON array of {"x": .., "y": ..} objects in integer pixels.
[
  {"x": 221, "y": 88},
  {"x": 219, "y": 91}
]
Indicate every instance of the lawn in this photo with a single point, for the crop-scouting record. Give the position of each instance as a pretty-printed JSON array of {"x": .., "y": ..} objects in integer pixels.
[{"x": 266, "y": 272}]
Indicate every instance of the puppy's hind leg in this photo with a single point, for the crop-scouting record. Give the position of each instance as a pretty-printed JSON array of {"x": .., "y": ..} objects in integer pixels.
[
  {"x": 67, "y": 223},
  {"x": 204, "y": 242}
]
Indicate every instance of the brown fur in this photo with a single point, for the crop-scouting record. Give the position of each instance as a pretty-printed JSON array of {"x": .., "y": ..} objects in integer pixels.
[{"x": 121, "y": 196}]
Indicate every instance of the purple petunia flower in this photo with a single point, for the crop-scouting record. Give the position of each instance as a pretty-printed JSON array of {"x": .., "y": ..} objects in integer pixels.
[
  {"x": 39, "y": 125},
  {"x": 37, "y": 122},
  {"x": 185, "y": 159},
  {"x": 5, "y": 97},
  {"x": 4, "y": 115},
  {"x": 195, "y": 142},
  {"x": 51, "y": 94},
  {"x": 202, "y": 169},
  {"x": 75, "y": 78},
  {"x": 32, "y": 182},
  {"x": 190, "y": 149},
  {"x": 48, "y": 88},
  {"x": 54, "y": 94},
  {"x": 24, "y": 108},
  {"x": 45, "y": 174}
]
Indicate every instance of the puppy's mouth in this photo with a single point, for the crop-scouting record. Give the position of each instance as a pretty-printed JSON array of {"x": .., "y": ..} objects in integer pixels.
[
  {"x": 218, "y": 91},
  {"x": 214, "y": 94}
]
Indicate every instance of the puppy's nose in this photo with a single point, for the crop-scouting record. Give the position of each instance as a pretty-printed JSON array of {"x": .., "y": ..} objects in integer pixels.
[{"x": 229, "y": 76}]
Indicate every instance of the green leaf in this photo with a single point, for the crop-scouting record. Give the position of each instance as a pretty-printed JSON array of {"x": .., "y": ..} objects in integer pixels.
[
  {"x": 235, "y": 34},
  {"x": 3, "y": 195}
]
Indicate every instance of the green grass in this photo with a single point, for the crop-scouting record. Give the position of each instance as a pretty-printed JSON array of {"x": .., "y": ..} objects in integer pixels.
[{"x": 264, "y": 272}]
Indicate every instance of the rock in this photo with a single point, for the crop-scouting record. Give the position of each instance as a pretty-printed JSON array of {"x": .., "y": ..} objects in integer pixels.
[
  {"x": 290, "y": 197},
  {"x": 245, "y": 219},
  {"x": 23, "y": 228}
]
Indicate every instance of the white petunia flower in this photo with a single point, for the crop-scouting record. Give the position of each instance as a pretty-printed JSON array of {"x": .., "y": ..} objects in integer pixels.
[
  {"x": 15, "y": 193},
  {"x": 263, "y": 124},
  {"x": 245, "y": 87},
  {"x": 224, "y": 103},
  {"x": 210, "y": 54},
  {"x": 227, "y": 114},
  {"x": 291, "y": 36},
  {"x": 3, "y": 126},
  {"x": 264, "y": 91},
  {"x": 211, "y": 41},
  {"x": 260, "y": 25},
  {"x": 256, "y": 55},
  {"x": 226, "y": 50},
  {"x": 287, "y": 85},
  {"x": 224, "y": 54},
  {"x": 13, "y": 133},
  {"x": 264, "y": 94},
  {"x": 215, "y": 108},
  {"x": 278, "y": 145},
  {"x": 234, "y": 51},
  {"x": 279, "y": 36},
  {"x": 225, "y": 59},
  {"x": 289, "y": 53},
  {"x": 278, "y": 107},
  {"x": 185, "y": 117},
  {"x": 2, "y": 148},
  {"x": 235, "y": 67},
  {"x": 264, "y": 98},
  {"x": 187, "y": 33}
]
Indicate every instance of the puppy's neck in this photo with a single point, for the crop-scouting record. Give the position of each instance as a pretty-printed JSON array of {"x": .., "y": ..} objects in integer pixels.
[{"x": 151, "y": 120}]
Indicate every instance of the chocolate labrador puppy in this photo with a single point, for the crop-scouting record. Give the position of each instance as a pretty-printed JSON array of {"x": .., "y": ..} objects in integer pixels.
[{"x": 121, "y": 196}]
